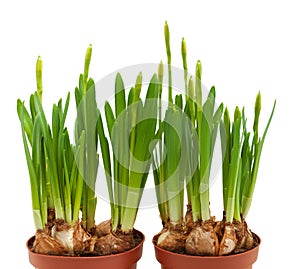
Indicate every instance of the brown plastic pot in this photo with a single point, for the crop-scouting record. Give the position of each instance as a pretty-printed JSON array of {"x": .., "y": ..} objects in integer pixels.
[
  {"x": 170, "y": 260},
  {"x": 125, "y": 260}
]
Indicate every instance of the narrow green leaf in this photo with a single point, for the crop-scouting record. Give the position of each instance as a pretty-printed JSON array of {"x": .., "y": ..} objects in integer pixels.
[
  {"x": 79, "y": 181},
  {"x": 247, "y": 198},
  {"x": 51, "y": 158},
  {"x": 138, "y": 86},
  {"x": 178, "y": 101},
  {"x": 106, "y": 160},
  {"x": 33, "y": 179},
  {"x": 110, "y": 119},
  {"x": 130, "y": 97},
  {"x": 27, "y": 121},
  {"x": 120, "y": 103},
  {"x": 234, "y": 165},
  {"x": 63, "y": 119},
  {"x": 116, "y": 151},
  {"x": 173, "y": 132},
  {"x": 67, "y": 191}
]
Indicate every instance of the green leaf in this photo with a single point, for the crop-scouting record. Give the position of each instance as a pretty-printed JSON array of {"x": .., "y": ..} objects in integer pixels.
[
  {"x": 33, "y": 178},
  {"x": 63, "y": 119},
  {"x": 106, "y": 160},
  {"x": 138, "y": 86},
  {"x": 178, "y": 101},
  {"x": 54, "y": 180},
  {"x": 80, "y": 176},
  {"x": 27, "y": 121},
  {"x": 120, "y": 103},
  {"x": 173, "y": 133},
  {"x": 32, "y": 107},
  {"x": 110, "y": 119},
  {"x": 130, "y": 97},
  {"x": 247, "y": 196}
]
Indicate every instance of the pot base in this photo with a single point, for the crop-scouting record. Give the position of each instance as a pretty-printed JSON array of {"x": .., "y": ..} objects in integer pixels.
[{"x": 163, "y": 267}]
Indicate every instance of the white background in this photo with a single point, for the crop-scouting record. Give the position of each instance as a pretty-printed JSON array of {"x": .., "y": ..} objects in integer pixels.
[{"x": 244, "y": 46}]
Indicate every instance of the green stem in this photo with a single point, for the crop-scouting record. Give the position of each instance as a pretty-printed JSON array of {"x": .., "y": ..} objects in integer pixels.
[
  {"x": 237, "y": 204},
  {"x": 185, "y": 68},
  {"x": 226, "y": 150},
  {"x": 39, "y": 81},
  {"x": 173, "y": 130},
  {"x": 87, "y": 61},
  {"x": 234, "y": 165},
  {"x": 168, "y": 49}
]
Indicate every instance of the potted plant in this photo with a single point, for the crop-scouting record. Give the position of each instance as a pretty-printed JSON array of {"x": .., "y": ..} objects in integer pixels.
[
  {"x": 63, "y": 177},
  {"x": 198, "y": 240}
]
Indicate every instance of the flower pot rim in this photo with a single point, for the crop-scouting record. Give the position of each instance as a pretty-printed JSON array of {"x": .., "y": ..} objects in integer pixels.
[
  {"x": 207, "y": 257},
  {"x": 31, "y": 239}
]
